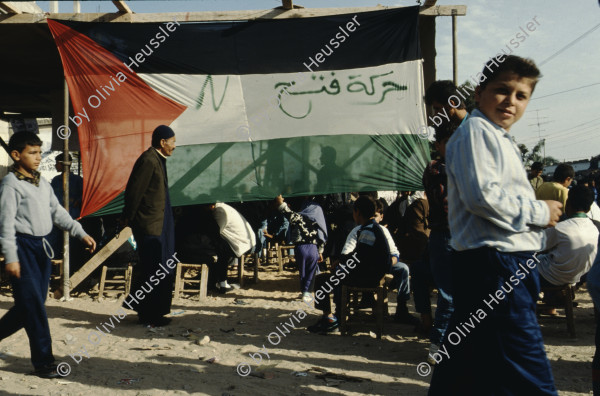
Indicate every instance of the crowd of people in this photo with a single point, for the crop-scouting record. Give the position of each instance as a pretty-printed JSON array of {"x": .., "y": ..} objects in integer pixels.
[{"x": 467, "y": 234}]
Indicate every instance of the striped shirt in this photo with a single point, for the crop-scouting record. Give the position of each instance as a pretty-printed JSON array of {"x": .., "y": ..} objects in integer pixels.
[{"x": 490, "y": 201}]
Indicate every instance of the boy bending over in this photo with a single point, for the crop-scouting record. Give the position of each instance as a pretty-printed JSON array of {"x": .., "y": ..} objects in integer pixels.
[{"x": 571, "y": 246}]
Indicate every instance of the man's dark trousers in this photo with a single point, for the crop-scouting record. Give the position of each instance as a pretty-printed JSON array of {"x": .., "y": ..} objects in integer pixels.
[
  {"x": 225, "y": 257},
  {"x": 322, "y": 284},
  {"x": 29, "y": 292}
]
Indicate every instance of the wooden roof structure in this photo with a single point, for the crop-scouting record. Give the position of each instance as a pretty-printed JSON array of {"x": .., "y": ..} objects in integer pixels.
[
  {"x": 32, "y": 83},
  {"x": 288, "y": 10}
]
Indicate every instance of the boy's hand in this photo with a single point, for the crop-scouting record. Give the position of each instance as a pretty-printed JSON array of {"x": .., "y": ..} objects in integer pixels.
[
  {"x": 13, "y": 269},
  {"x": 88, "y": 240},
  {"x": 320, "y": 258},
  {"x": 555, "y": 211}
]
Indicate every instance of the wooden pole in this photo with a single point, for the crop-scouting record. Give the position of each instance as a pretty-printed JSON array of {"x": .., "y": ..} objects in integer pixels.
[
  {"x": 99, "y": 258},
  {"x": 121, "y": 6},
  {"x": 454, "y": 49},
  {"x": 66, "y": 169}
]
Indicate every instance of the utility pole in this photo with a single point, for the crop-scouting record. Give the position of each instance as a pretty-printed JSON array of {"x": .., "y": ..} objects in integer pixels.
[
  {"x": 454, "y": 50},
  {"x": 539, "y": 122}
]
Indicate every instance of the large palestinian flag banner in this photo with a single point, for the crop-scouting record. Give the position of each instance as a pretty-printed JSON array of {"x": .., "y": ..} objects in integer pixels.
[{"x": 293, "y": 106}]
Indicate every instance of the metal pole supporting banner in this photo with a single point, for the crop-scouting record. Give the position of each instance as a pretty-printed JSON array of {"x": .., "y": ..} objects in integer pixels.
[
  {"x": 66, "y": 169},
  {"x": 454, "y": 49}
]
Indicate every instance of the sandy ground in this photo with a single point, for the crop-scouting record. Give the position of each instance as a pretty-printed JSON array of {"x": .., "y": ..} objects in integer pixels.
[{"x": 177, "y": 359}]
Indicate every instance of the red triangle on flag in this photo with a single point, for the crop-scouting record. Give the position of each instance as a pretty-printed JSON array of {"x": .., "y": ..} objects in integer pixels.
[{"x": 115, "y": 113}]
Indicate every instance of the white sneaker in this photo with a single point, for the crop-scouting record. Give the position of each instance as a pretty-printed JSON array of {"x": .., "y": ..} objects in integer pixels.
[
  {"x": 307, "y": 297},
  {"x": 433, "y": 348},
  {"x": 223, "y": 284}
]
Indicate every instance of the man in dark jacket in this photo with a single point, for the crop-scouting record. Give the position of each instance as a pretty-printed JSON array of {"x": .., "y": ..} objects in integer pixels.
[{"x": 148, "y": 211}]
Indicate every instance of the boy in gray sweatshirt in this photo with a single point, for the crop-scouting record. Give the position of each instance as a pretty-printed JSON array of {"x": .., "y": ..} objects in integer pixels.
[{"x": 28, "y": 208}]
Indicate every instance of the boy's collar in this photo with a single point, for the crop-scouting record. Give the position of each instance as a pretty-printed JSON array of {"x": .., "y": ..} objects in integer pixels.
[
  {"x": 35, "y": 180},
  {"x": 478, "y": 113},
  {"x": 578, "y": 214}
]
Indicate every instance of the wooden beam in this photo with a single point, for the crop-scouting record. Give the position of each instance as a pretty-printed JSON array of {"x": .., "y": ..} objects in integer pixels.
[
  {"x": 7, "y": 8},
  {"x": 97, "y": 259},
  {"x": 289, "y": 5},
  {"x": 276, "y": 13},
  {"x": 427, "y": 34},
  {"x": 121, "y": 6},
  {"x": 19, "y": 7},
  {"x": 449, "y": 10}
]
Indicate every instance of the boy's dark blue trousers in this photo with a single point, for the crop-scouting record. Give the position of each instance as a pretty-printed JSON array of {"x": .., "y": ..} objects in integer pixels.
[
  {"x": 494, "y": 342},
  {"x": 29, "y": 292}
]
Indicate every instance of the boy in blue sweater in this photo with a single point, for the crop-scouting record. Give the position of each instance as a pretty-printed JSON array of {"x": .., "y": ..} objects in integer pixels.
[{"x": 28, "y": 208}]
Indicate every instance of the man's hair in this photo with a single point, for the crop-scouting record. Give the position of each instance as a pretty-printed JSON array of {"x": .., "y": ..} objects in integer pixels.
[
  {"x": 20, "y": 140},
  {"x": 61, "y": 157},
  {"x": 365, "y": 205},
  {"x": 563, "y": 171},
  {"x": 580, "y": 198},
  {"x": 379, "y": 208},
  {"x": 372, "y": 194},
  {"x": 523, "y": 67},
  {"x": 444, "y": 131},
  {"x": 161, "y": 132},
  {"x": 440, "y": 91},
  {"x": 537, "y": 166}
]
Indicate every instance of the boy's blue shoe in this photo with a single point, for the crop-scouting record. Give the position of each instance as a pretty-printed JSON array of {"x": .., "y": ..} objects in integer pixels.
[{"x": 325, "y": 325}]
